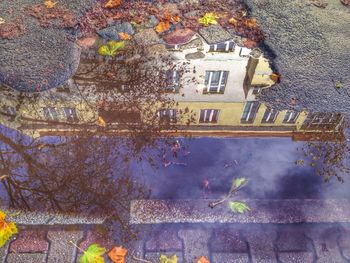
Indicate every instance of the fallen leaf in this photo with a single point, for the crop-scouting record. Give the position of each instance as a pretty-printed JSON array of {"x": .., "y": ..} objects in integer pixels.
[
  {"x": 250, "y": 22},
  {"x": 238, "y": 207},
  {"x": 203, "y": 259},
  {"x": 2, "y": 20},
  {"x": 7, "y": 229},
  {"x": 124, "y": 36},
  {"x": 345, "y": 2},
  {"x": 233, "y": 21},
  {"x": 163, "y": 26},
  {"x": 113, "y": 3},
  {"x": 239, "y": 182},
  {"x": 111, "y": 48},
  {"x": 117, "y": 254},
  {"x": 164, "y": 259},
  {"x": 208, "y": 18},
  {"x": 275, "y": 77},
  {"x": 101, "y": 122},
  {"x": 86, "y": 42},
  {"x": 50, "y": 3},
  {"x": 249, "y": 43},
  {"x": 94, "y": 254}
]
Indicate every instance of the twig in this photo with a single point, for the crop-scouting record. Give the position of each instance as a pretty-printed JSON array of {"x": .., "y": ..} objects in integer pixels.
[
  {"x": 82, "y": 250},
  {"x": 140, "y": 259},
  {"x": 232, "y": 192}
]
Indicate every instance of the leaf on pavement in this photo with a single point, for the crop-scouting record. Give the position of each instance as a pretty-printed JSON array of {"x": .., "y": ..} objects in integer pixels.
[
  {"x": 239, "y": 207},
  {"x": 239, "y": 182},
  {"x": 124, "y": 36},
  {"x": 208, "y": 18},
  {"x": 163, "y": 26},
  {"x": 94, "y": 254},
  {"x": 50, "y": 3},
  {"x": 117, "y": 254},
  {"x": 203, "y": 259},
  {"x": 113, "y": 3},
  {"x": 164, "y": 259},
  {"x": 7, "y": 229},
  {"x": 2, "y": 21},
  {"x": 233, "y": 21}
]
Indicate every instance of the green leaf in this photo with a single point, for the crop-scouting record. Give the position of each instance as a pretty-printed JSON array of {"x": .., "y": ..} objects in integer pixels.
[
  {"x": 93, "y": 254},
  {"x": 208, "y": 18},
  {"x": 114, "y": 46},
  {"x": 239, "y": 182},
  {"x": 164, "y": 259},
  {"x": 239, "y": 207},
  {"x": 105, "y": 51}
]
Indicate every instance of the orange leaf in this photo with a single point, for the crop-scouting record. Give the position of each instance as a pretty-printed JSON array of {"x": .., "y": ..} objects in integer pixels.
[
  {"x": 203, "y": 259},
  {"x": 275, "y": 77},
  {"x": 124, "y": 36},
  {"x": 50, "y": 4},
  {"x": 117, "y": 254},
  {"x": 113, "y": 3},
  {"x": 163, "y": 26},
  {"x": 250, "y": 22},
  {"x": 101, "y": 122}
]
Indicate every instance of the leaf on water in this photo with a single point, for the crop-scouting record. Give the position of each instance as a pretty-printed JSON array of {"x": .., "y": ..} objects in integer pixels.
[
  {"x": 49, "y": 4},
  {"x": 239, "y": 207},
  {"x": 239, "y": 182},
  {"x": 7, "y": 229},
  {"x": 113, "y": 3},
  {"x": 163, "y": 26},
  {"x": 208, "y": 18},
  {"x": 94, "y": 254},
  {"x": 117, "y": 254},
  {"x": 164, "y": 259},
  {"x": 203, "y": 259},
  {"x": 124, "y": 36}
]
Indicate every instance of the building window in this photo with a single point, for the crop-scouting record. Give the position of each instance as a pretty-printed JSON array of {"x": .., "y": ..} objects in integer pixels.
[
  {"x": 9, "y": 110},
  {"x": 215, "y": 81},
  {"x": 71, "y": 114},
  {"x": 50, "y": 113},
  {"x": 209, "y": 116},
  {"x": 227, "y": 46},
  {"x": 168, "y": 115},
  {"x": 269, "y": 116},
  {"x": 172, "y": 78},
  {"x": 290, "y": 117},
  {"x": 249, "y": 112}
]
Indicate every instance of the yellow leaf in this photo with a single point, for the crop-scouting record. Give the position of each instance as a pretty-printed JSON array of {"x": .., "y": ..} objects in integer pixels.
[
  {"x": 2, "y": 21},
  {"x": 163, "y": 26},
  {"x": 113, "y": 3},
  {"x": 203, "y": 259},
  {"x": 50, "y": 3},
  {"x": 208, "y": 18},
  {"x": 101, "y": 122},
  {"x": 94, "y": 254},
  {"x": 124, "y": 36},
  {"x": 7, "y": 229},
  {"x": 233, "y": 21},
  {"x": 117, "y": 254}
]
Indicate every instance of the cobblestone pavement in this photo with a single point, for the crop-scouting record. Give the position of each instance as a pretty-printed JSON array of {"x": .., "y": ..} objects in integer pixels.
[{"x": 224, "y": 243}]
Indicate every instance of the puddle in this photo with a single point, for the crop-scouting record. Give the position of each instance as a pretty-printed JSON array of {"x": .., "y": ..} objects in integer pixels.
[{"x": 169, "y": 116}]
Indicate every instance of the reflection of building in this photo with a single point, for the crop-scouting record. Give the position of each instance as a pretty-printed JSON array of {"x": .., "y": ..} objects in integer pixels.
[{"x": 220, "y": 85}]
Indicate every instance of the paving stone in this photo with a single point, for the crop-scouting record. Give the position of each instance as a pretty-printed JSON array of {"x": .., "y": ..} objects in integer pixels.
[
  {"x": 147, "y": 37},
  {"x": 296, "y": 257},
  {"x": 112, "y": 32},
  {"x": 227, "y": 240},
  {"x": 26, "y": 258},
  {"x": 195, "y": 243},
  {"x": 230, "y": 258},
  {"x": 92, "y": 237},
  {"x": 60, "y": 246},
  {"x": 30, "y": 241},
  {"x": 261, "y": 244},
  {"x": 291, "y": 239},
  {"x": 325, "y": 242},
  {"x": 344, "y": 242},
  {"x": 154, "y": 256},
  {"x": 3, "y": 252},
  {"x": 164, "y": 240}
]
